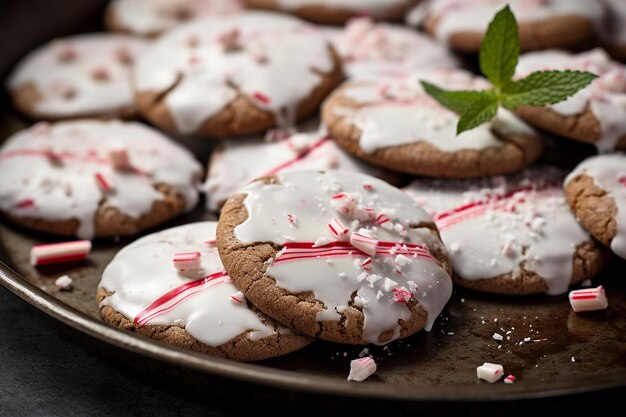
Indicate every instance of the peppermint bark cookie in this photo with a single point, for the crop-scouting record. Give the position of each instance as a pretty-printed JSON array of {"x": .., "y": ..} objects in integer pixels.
[
  {"x": 236, "y": 75},
  {"x": 95, "y": 178},
  {"x": 595, "y": 115},
  {"x": 337, "y": 12},
  {"x": 511, "y": 235},
  {"x": 79, "y": 76},
  {"x": 153, "y": 17},
  {"x": 394, "y": 124},
  {"x": 596, "y": 192},
  {"x": 339, "y": 256},
  {"x": 542, "y": 24},
  {"x": 171, "y": 286},
  {"x": 372, "y": 50},
  {"x": 236, "y": 163}
]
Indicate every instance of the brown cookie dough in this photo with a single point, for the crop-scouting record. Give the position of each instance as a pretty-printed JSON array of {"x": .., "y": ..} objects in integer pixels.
[
  {"x": 337, "y": 12},
  {"x": 396, "y": 125},
  {"x": 331, "y": 290},
  {"x": 201, "y": 310}
]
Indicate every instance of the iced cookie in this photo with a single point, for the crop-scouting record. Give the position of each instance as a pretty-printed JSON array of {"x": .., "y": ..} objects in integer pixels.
[
  {"x": 371, "y": 50},
  {"x": 542, "y": 24},
  {"x": 236, "y": 75},
  {"x": 338, "y": 12},
  {"x": 596, "y": 191},
  {"x": 394, "y": 124},
  {"x": 595, "y": 115},
  {"x": 236, "y": 163},
  {"x": 340, "y": 256},
  {"x": 153, "y": 17},
  {"x": 95, "y": 178},
  {"x": 511, "y": 235},
  {"x": 80, "y": 76},
  {"x": 192, "y": 303}
]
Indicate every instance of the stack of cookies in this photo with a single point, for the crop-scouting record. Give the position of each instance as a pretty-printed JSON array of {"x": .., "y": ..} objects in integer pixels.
[{"x": 311, "y": 130}]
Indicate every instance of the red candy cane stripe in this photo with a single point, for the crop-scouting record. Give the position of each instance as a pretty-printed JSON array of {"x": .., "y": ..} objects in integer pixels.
[
  {"x": 176, "y": 296},
  {"x": 60, "y": 252},
  {"x": 298, "y": 251},
  {"x": 104, "y": 182},
  {"x": 367, "y": 264},
  {"x": 300, "y": 157}
]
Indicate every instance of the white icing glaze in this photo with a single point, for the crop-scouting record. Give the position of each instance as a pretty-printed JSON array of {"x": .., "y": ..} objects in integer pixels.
[
  {"x": 609, "y": 174},
  {"x": 65, "y": 73},
  {"x": 606, "y": 96},
  {"x": 277, "y": 66},
  {"x": 373, "y": 8},
  {"x": 147, "y": 17},
  {"x": 307, "y": 196},
  {"x": 33, "y": 186},
  {"x": 397, "y": 111},
  {"x": 142, "y": 272},
  {"x": 474, "y": 15},
  {"x": 239, "y": 162},
  {"x": 372, "y": 50},
  {"x": 490, "y": 229}
]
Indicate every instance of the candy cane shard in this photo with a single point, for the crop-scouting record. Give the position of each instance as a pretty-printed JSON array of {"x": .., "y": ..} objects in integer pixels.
[
  {"x": 119, "y": 158},
  {"x": 364, "y": 243},
  {"x": 237, "y": 297},
  {"x": 338, "y": 230},
  {"x": 589, "y": 299},
  {"x": 187, "y": 261},
  {"x": 490, "y": 372},
  {"x": 361, "y": 369},
  {"x": 60, "y": 252},
  {"x": 509, "y": 379},
  {"x": 344, "y": 203},
  {"x": 104, "y": 182},
  {"x": 401, "y": 295}
]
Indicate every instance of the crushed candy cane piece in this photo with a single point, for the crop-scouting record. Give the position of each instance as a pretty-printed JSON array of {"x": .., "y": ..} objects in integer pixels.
[
  {"x": 364, "y": 243},
  {"x": 119, "y": 158},
  {"x": 237, "y": 297},
  {"x": 509, "y": 379},
  {"x": 64, "y": 283},
  {"x": 187, "y": 261},
  {"x": 490, "y": 372},
  {"x": 60, "y": 252},
  {"x": 337, "y": 229},
  {"x": 361, "y": 369},
  {"x": 401, "y": 295},
  {"x": 104, "y": 182},
  {"x": 590, "y": 299},
  {"x": 344, "y": 203}
]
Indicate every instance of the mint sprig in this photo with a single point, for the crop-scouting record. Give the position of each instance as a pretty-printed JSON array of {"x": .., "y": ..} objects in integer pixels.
[{"x": 499, "y": 55}]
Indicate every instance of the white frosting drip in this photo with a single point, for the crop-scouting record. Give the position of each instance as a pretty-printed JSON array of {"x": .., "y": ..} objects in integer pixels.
[
  {"x": 63, "y": 73},
  {"x": 239, "y": 162},
  {"x": 609, "y": 174},
  {"x": 277, "y": 65},
  {"x": 371, "y": 50},
  {"x": 474, "y": 15},
  {"x": 307, "y": 196},
  {"x": 398, "y": 112},
  {"x": 69, "y": 190},
  {"x": 606, "y": 96},
  {"x": 142, "y": 272},
  {"x": 373, "y": 8},
  {"x": 147, "y": 17},
  {"x": 533, "y": 227}
]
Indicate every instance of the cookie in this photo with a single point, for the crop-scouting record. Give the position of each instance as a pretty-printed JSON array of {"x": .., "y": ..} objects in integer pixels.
[
  {"x": 336, "y": 255},
  {"x": 94, "y": 178},
  {"x": 394, "y": 124},
  {"x": 236, "y": 75},
  {"x": 595, "y": 115},
  {"x": 337, "y": 12},
  {"x": 613, "y": 34},
  {"x": 542, "y": 24},
  {"x": 236, "y": 163},
  {"x": 153, "y": 17},
  {"x": 79, "y": 76},
  {"x": 512, "y": 235},
  {"x": 596, "y": 192},
  {"x": 198, "y": 308},
  {"x": 372, "y": 50}
]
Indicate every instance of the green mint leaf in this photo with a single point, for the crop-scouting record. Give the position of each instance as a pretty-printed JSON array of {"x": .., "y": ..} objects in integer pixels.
[
  {"x": 545, "y": 87},
  {"x": 457, "y": 101},
  {"x": 478, "y": 112},
  {"x": 500, "y": 48}
]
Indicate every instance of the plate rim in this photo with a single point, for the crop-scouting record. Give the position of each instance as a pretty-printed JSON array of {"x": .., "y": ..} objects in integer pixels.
[{"x": 284, "y": 379}]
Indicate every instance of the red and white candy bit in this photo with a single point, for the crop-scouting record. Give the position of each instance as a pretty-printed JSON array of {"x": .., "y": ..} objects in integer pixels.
[
  {"x": 100, "y": 74},
  {"x": 490, "y": 372},
  {"x": 509, "y": 379},
  {"x": 64, "y": 283},
  {"x": 344, "y": 203},
  {"x": 589, "y": 299},
  {"x": 231, "y": 40},
  {"x": 261, "y": 98},
  {"x": 292, "y": 220},
  {"x": 25, "y": 204},
  {"x": 367, "y": 264},
  {"x": 368, "y": 187},
  {"x": 60, "y": 252},
  {"x": 361, "y": 369},
  {"x": 104, "y": 182},
  {"x": 211, "y": 243},
  {"x": 67, "y": 53},
  {"x": 338, "y": 230},
  {"x": 401, "y": 295},
  {"x": 364, "y": 243},
  {"x": 119, "y": 158},
  {"x": 237, "y": 297},
  {"x": 382, "y": 219},
  {"x": 124, "y": 56},
  {"x": 187, "y": 261}
]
